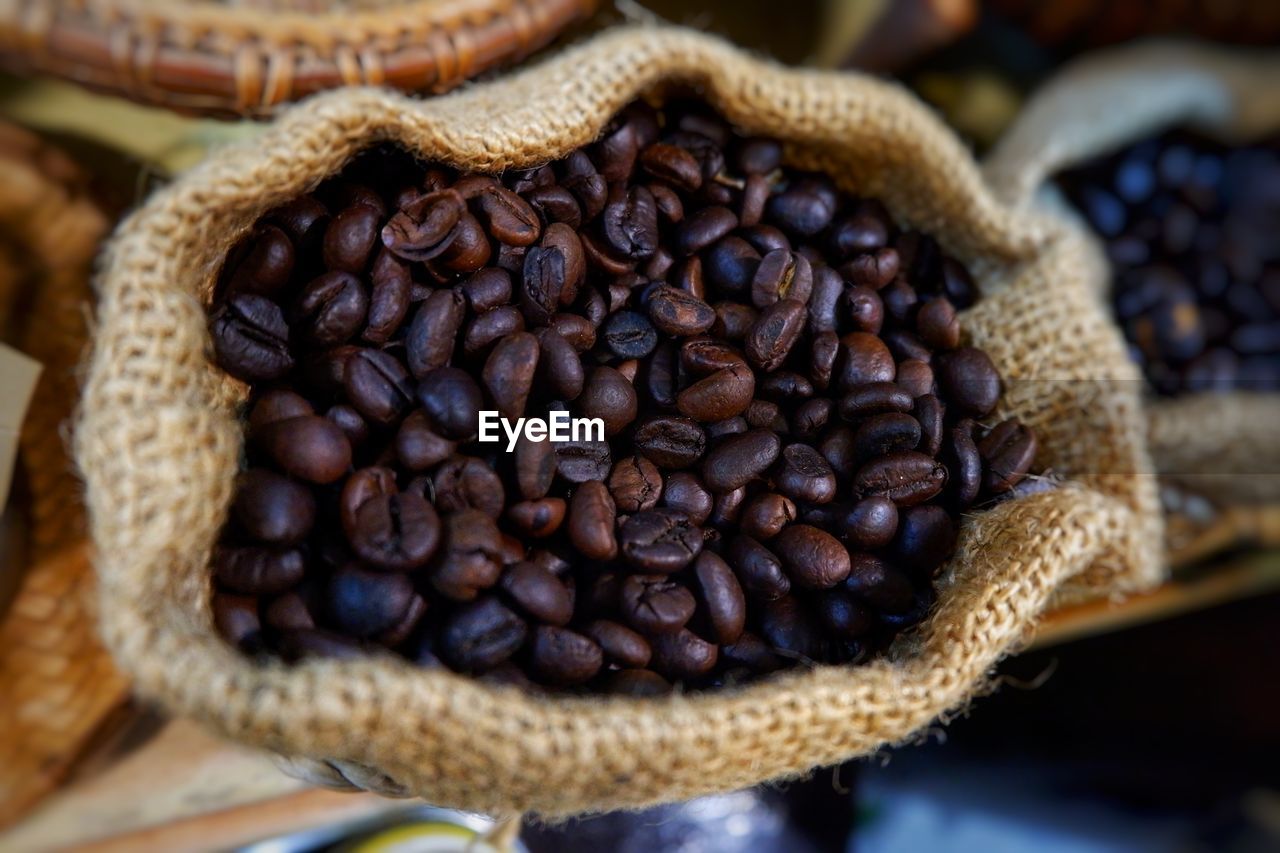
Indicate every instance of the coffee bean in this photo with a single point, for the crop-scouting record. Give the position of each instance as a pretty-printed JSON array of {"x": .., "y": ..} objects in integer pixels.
[
  {"x": 350, "y": 238},
  {"x": 363, "y": 485},
  {"x": 263, "y": 262},
  {"x": 538, "y": 593},
  {"x": 426, "y": 227},
  {"x": 752, "y": 653},
  {"x": 255, "y": 570},
  {"x": 925, "y": 539},
  {"x": 481, "y": 635},
  {"x": 487, "y": 289},
  {"x": 874, "y": 270},
  {"x": 788, "y": 630},
  {"x": 801, "y": 210},
  {"x": 628, "y": 334},
  {"x": 740, "y": 459},
  {"x": 559, "y": 366},
  {"x": 251, "y": 339},
  {"x": 802, "y": 474},
  {"x": 389, "y": 296},
  {"x": 289, "y": 612},
  {"x": 969, "y": 380},
  {"x": 433, "y": 334},
  {"x": 508, "y": 373},
  {"x": 562, "y": 657},
  {"x": 864, "y": 359},
  {"x": 721, "y": 597},
  {"x": 1009, "y": 451},
  {"x": 659, "y": 540},
  {"x": 915, "y": 377},
  {"x": 730, "y": 264},
  {"x": 452, "y": 401},
  {"x": 539, "y": 519},
  {"x": 655, "y": 605},
  {"x": 579, "y": 461},
  {"x": 465, "y": 482},
  {"x": 724, "y": 394},
  {"x": 396, "y": 532},
  {"x": 964, "y": 464},
  {"x": 636, "y": 683},
  {"x": 683, "y": 655},
  {"x": 673, "y": 165},
  {"x": 885, "y": 433},
  {"x": 470, "y": 559},
  {"x": 510, "y": 218},
  {"x": 775, "y": 332},
  {"x": 758, "y": 568},
  {"x": 235, "y": 618},
  {"x": 278, "y": 404},
  {"x": 620, "y": 644},
  {"x": 938, "y": 325},
  {"x": 836, "y": 446},
  {"x": 812, "y": 558},
  {"x": 764, "y": 516},
  {"x": 592, "y": 515},
  {"x": 876, "y": 398},
  {"x": 378, "y": 386},
  {"x": 905, "y": 476},
  {"x": 929, "y": 412},
  {"x": 308, "y": 447},
  {"x": 418, "y": 447},
  {"x": 685, "y": 493},
  {"x": 874, "y": 581},
  {"x": 535, "y": 467},
  {"x": 607, "y": 395},
  {"x": 274, "y": 509},
  {"x": 631, "y": 224},
  {"x": 363, "y": 603},
  {"x": 842, "y": 615},
  {"x": 670, "y": 442},
  {"x": 635, "y": 484},
  {"x": 812, "y": 417},
  {"x": 871, "y": 523},
  {"x": 678, "y": 313}
]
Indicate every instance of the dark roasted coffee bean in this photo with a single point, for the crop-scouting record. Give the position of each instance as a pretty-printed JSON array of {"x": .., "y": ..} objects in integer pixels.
[
  {"x": 251, "y": 339},
  {"x": 577, "y": 331},
  {"x": 915, "y": 377},
  {"x": 592, "y": 515},
  {"x": 580, "y": 460},
  {"x": 803, "y": 474},
  {"x": 418, "y": 446},
  {"x": 379, "y": 387},
  {"x": 481, "y": 635},
  {"x": 562, "y": 657},
  {"x": 672, "y": 165},
  {"x": 865, "y": 230},
  {"x": 397, "y": 532},
  {"x": 635, "y": 484},
  {"x": 871, "y": 523},
  {"x": 255, "y": 570},
  {"x": 958, "y": 285},
  {"x": 426, "y": 227},
  {"x": 781, "y": 275},
  {"x": 812, "y": 558},
  {"x": 729, "y": 426},
  {"x": 752, "y": 653},
  {"x": 433, "y": 334},
  {"x": 774, "y": 333},
  {"x": 508, "y": 373},
  {"x": 470, "y": 556},
  {"x": 535, "y": 467},
  {"x": 937, "y": 324},
  {"x": 465, "y": 482},
  {"x": 720, "y": 595},
  {"x": 758, "y": 569},
  {"x": 739, "y": 459},
  {"x": 308, "y": 447},
  {"x": 621, "y": 645},
  {"x": 703, "y": 228},
  {"x": 362, "y": 603},
  {"x": 683, "y": 655},
  {"x": 964, "y": 464},
  {"x": 452, "y": 401},
  {"x": 703, "y": 355},
  {"x": 487, "y": 289},
  {"x": 969, "y": 380},
  {"x": 906, "y": 477},
  {"x": 874, "y": 269},
  {"x": 509, "y": 217},
  {"x": 389, "y": 297},
  {"x": 332, "y": 308},
  {"x": 542, "y": 281},
  {"x": 607, "y": 395},
  {"x": 881, "y": 434},
  {"x": 836, "y": 446},
  {"x": 801, "y": 210},
  {"x": 812, "y": 417},
  {"x": 659, "y": 540},
  {"x": 539, "y": 519},
  {"x": 683, "y": 491},
  {"x": 404, "y": 627},
  {"x": 303, "y": 219},
  {"x": 724, "y": 394},
  {"x": 730, "y": 264},
  {"x": 481, "y": 333},
  {"x": 288, "y": 612},
  {"x": 654, "y": 604},
  {"x": 263, "y": 262},
  {"x": 842, "y": 615},
  {"x": 538, "y": 593},
  {"x": 363, "y": 485},
  {"x": 788, "y": 630},
  {"x": 929, "y": 411},
  {"x": 235, "y": 617},
  {"x": 350, "y": 238},
  {"x": 670, "y": 442},
  {"x": 764, "y": 516},
  {"x": 874, "y": 581},
  {"x": 678, "y": 313},
  {"x": 876, "y": 398},
  {"x": 864, "y": 359},
  {"x": 926, "y": 538},
  {"x": 630, "y": 224},
  {"x": 274, "y": 509},
  {"x": 559, "y": 366},
  {"x": 727, "y": 506},
  {"x": 1009, "y": 451},
  {"x": 278, "y": 404},
  {"x": 629, "y": 335}
]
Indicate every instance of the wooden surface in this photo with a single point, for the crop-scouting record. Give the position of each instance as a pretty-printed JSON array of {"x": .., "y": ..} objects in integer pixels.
[{"x": 184, "y": 790}]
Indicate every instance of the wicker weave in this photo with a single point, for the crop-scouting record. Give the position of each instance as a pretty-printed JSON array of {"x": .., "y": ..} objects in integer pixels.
[
  {"x": 246, "y": 58},
  {"x": 159, "y": 444},
  {"x": 58, "y": 683},
  {"x": 1223, "y": 446}
]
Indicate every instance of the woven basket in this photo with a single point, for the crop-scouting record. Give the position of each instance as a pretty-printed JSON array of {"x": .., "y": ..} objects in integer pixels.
[
  {"x": 58, "y": 683},
  {"x": 1222, "y": 445},
  {"x": 159, "y": 443},
  {"x": 246, "y": 57}
]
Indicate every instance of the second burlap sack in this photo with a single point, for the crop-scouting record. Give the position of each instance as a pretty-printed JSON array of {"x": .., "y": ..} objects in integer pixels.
[
  {"x": 1222, "y": 446},
  {"x": 159, "y": 441}
]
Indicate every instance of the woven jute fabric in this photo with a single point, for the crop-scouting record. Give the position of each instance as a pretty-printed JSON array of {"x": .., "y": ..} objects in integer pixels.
[
  {"x": 159, "y": 440},
  {"x": 1222, "y": 446},
  {"x": 247, "y": 57},
  {"x": 58, "y": 682}
]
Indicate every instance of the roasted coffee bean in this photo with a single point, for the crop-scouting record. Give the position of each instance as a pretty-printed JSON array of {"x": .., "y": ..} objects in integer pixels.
[
  {"x": 396, "y": 532},
  {"x": 418, "y": 447},
  {"x": 535, "y": 467},
  {"x": 278, "y": 404},
  {"x": 739, "y": 459},
  {"x": 481, "y": 333},
  {"x": 785, "y": 385},
  {"x": 683, "y": 492},
  {"x": 679, "y": 313},
  {"x": 308, "y": 447},
  {"x": 510, "y": 218},
  {"x": 876, "y": 398},
  {"x": 470, "y": 557},
  {"x": 781, "y": 275},
  {"x": 885, "y": 433},
  {"x": 812, "y": 558},
  {"x": 937, "y": 324},
  {"x": 764, "y": 516},
  {"x": 621, "y": 645},
  {"x": 683, "y": 655},
  {"x": 452, "y": 401},
  {"x": 864, "y": 359},
  {"x": 635, "y": 484},
  {"x": 730, "y": 264},
  {"x": 874, "y": 581},
  {"x": 727, "y": 506},
  {"x": 906, "y": 477},
  {"x": 670, "y": 442},
  {"x": 871, "y": 523},
  {"x": 363, "y": 485},
  {"x": 926, "y": 538},
  {"x": 803, "y": 474},
  {"x": 836, "y": 446},
  {"x": 255, "y": 570},
  {"x": 636, "y": 683},
  {"x": 873, "y": 269},
  {"x": 404, "y": 627},
  {"x": 465, "y": 482},
  {"x": 1010, "y": 451},
  {"x": 487, "y": 289},
  {"x": 559, "y": 366},
  {"x": 758, "y": 568},
  {"x": 969, "y": 380},
  {"x": 303, "y": 219},
  {"x": 929, "y": 412},
  {"x": 802, "y": 209},
  {"x": 630, "y": 224},
  {"x": 607, "y": 395},
  {"x": 274, "y": 509},
  {"x": 720, "y": 596},
  {"x": 363, "y": 603},
  {"x": 481, "y": 635},
  {"x": 353, "y": 426},
  {"x": 378, "y": 386},
  {"x": 581, "y": 460},
  {"x": 537, "y": 592},
  {"x": 561, "y": 241},
  {"x": 724, "y": 394},
  {"x": 592, "y": 514},
  {"x": 433, "y": 334},
  {"x": 673, "y": 165},
  {"x": 508, "y": 373},
  {"x": 251, "y": 339},
  {"x": 332, "y": 308},
  {"x": 263, "y": 262},
  {"x": 389, "y": 297},
  {"x": 788, "y": 630},
  {"x": 915, "y": 377},
  {"x": 235, "y": 618},
  {"x": 562, "y": 657},
  {"x": 288, "y": 612},
  {"x": 350, "y": 238},
  {"x": 659, "y": 541},
  {"x": 842, "y": 615},
  {"x": 865, "y": 309},
  {"x": 812, "y": 417},
  {"x": 628, "y": 334},
  {"x": 655, "y": 604},
  {"x": 774, "y": 333},
  {"x": 426, "y": 227},
  {"x": 964, "y": 464},
  {"x": 752, "y": 653}
]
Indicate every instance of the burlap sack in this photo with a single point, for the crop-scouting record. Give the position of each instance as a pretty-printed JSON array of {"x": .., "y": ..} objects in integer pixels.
[
  {"x": 158, "y": 442},
  {"x": 1222, "y": 446}
]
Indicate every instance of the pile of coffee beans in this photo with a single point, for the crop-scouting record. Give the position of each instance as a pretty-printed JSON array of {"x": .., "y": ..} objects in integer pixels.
[
  {"x": 1191, "y": 229},
  {"x": 790, "y": 425}
]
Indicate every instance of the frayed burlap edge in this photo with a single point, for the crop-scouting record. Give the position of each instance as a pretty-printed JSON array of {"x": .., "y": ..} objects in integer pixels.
[
  {"x": 1221, "y": 446},
  {"x": 158, "y": 442}
]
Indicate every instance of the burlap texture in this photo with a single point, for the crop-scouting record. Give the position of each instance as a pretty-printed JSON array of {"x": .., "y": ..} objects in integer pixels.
[
  {"x": 1223, "y": 446},
  {"x": 158, "y": 442}
]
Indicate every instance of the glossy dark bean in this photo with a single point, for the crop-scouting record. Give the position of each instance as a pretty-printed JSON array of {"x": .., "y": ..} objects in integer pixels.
[
  {"x": 740, "y": 459},
  {"x": 628, "y": 334},
  {"x": 278, "y": 404},
  {"x": 332, "y": 308},
  {"x": 465, "y": 482},
  {"x": 842, "y": 615},
  {"x": 654, "y": 604},
  {"x": 929, "y": 412},
  {"x": 470, "y": 556},
  {"x": 480, "y": 334},
  {"x": 811, "y": 557},
  {"x": 964, "y": 464},
  {"x": 538, "y": 519},
  {"x": 363, "y": 603},
  {"x": 722, "y": 395},
  {"x": 764, "y": 516},
  {"x": 659, "y": 540},
  {"x": 635, "y": 484},
  {"x": 630, "y": 224},
  {"x": 378, "y": 386},
  {"x": 350, "y": 238},
  {"x": 873, "y": 270},
  {"x": 875, "y": 398},
  {"x": 389, "y": 297},
  {"x": 288, "y": 612},
  {"x": 433, "y": 333},
  {"x": 562, "y": 657},
  {"x": 592, "y": 515},
  {"x": 804, "y": 475},
  {"x": 874, "y": 581},
  {"x": 452, "y": 401},
  {"x": 683, "y": 492},
  {"x": 272, "y": 508},
  {"x": 1009, "y": 451},
  {"x": 535, "y": 467},
  {"x": 864, "y": 359},
  {"x": 871, "y": 523},
  {"x": 263, "y": 262},
  {"x": 308, "y": 447},
  {"x": 969, "y": 380},
  {"x": 254, "y": 570},
  {"x": 363, "y": 485},
  {"x": 721, "y": 597},
  {"x": 774, "y": 333},
  {"x": 906, "y": 477},
  {"x": 235, "y": 618},
  {"x": 510, "y": 218},
  {"x": 608, "y": 395},
  {"x": 673, "y": 165},
  {"x": 683, "y": 655},
  {"x": 915, "y": 377},
  {"x": 937, "y": 324},
  {"x": 426, "y": 227},
  {"x": 788, "y": 629},
  {"x": 670, "y": 442},
  {"x": 418, "y": 446},
  {"x": 621, "y": 645},
  {"x": 758, "y": 569},
  {"x": 559, "y": 366},
  {"x": 508, "y": 373},
  {"x": 481, "y": 635},
  {"x": 579, "y": 461},
  {"x": 538, "y": 593},
  {"x": 885, "y": 433},
  {"x": 396, "y": 532},
  {"x": 926, "y": 538},
  {"x": 251, "y": 339}
]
